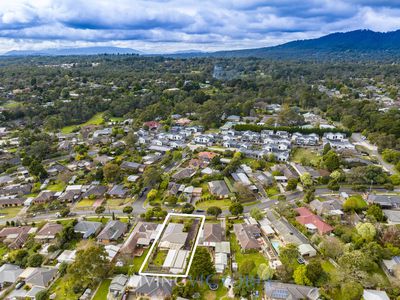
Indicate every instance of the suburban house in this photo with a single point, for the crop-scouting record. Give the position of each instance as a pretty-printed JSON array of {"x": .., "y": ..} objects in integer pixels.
[
  {"x": 219, "y": 189},
  {"x": 150, "y": 286},
  {"x": 207, "y": 156},
  {"x": 275, "y": 290},
  {"x": 44, "y": 197},
  {"x": 96, "y": 191},
  {"x": 48, "y": 232},
  {"x": 312, "y": 222},
  {"x": 117, "y": 286},
  {"x": 87, "y": 228},
  {"x": 390, "y": 265},
  {"x": 41, "y": 277},
  {"x": 385, "y": 201},
  {"x": 118, "y": 191},
  {"x": 9, "y": 274},
  {"x": 142, "y": 235},
  {"x": 331, "y": 207},
  {"x": 15, "y": 237},
  {"x": 212, "y": 234},
  {"x": 113, "y": 230},
  {"x": 247, "y": 236},
  {"x": 173, "y": 237}
]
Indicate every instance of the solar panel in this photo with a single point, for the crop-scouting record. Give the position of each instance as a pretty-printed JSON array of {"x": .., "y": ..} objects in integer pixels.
[
  {"x": 397, "y": 259},
  {"x": 280, "y": 294}
]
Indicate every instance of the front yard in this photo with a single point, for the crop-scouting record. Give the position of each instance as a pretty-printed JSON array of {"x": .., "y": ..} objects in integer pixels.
[
  {"x": 9, "y": 212},
  {"x": 223, "y": 204}
]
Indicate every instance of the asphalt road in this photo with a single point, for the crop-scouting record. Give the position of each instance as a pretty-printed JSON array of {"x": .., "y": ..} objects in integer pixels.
[{"x": 373, "y": 151}]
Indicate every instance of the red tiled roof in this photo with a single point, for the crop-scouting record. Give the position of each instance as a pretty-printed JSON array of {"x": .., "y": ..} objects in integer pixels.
[
  {"x": 307, "y": 217},
  {"x": 152, "y": 124},
  {"x": 207, "y": 155}
]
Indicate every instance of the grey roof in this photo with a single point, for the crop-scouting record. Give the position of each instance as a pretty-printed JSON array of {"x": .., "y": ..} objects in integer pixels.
[
  {"x": 218, "y": 187},
  {"x": 153, "y": 287},
  {"x": 9, "y": 273},
  {"x": 174, "y": 234},
  {"x": 118, "y": 190},
  {"x": 97, "y": 190},
  {"x": 118, "y": 283},
  {"x": 113, "y": 230},
  {"x": 87, "y": 228},
  {"x": 42, "y": 277},
  {"x": 392, "y": 201},
  {"x": 278, "y": 290},
  {"x": 247, "y": 235},
  {"x": 213, "y": 233}
]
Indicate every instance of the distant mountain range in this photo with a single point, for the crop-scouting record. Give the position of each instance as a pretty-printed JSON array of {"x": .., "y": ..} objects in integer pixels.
[
  {"x": 353, "y": 44},
  {"x": 73, "y": 51},
  {"x": 356, "y": 43}
]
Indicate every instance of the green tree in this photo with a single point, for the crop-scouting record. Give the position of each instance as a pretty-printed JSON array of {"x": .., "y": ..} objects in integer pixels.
[
  {"x": 366, "y": 230},
  {"x": 127, "y": 210},
  {"x": 99, "y": 210},
  {"x": 331, "y": 161},
  {"x": 91, "y": 265},
  {"x": 292, "y": 184},
  {"x": 246, "y": 267},
  {"x": 236, "y": 208},
  {"x": 256, "y": 213},
  {"x": 42, "y": 295},
  {"x": 300, "y": 276},
  {"x": 111, "y": 172},
  {"x": 376, "y": 212},
  {"x": 214, "y": 211},
  {"x": 202, "y": 265},
  {"x": 315, "y": 273},
  {"x": 35, "y": 260},
  {"x": 306, "y": 180},
  {"x": 351, "y": 290}
]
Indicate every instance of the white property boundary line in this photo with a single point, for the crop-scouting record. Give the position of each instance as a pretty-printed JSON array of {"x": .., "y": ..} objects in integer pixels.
[{"x": 203, "y": 218}]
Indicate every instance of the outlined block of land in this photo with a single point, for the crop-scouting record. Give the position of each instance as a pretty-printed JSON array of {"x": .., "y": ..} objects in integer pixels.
[{"x": 172, "y": 252}]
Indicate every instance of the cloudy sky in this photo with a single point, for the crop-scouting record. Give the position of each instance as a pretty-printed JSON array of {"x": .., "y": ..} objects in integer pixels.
[{"x": 157, "y": 26}]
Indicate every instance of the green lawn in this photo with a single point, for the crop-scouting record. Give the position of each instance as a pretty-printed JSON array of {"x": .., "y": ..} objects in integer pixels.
[
  {"x": 85, "y": 203},
  {"x": 9, "y": 212},
  {"x": 63, "y": 289},
  {"x": 223, "y": 204},
  {"x": 300, "y": 155},
  {"x": 240, "y": 257},
  {"x": 57, "y": 186},
  {"x": 97, "y": 119},
  {"x": 102, "y": 291},
  {"x": 138, "y": 261},
  {"x": 272, "y": 191},
  {"x": 117, "y": 203},
  {"x": 116, "y": 119},
  {"x": 160, "y": 258}
]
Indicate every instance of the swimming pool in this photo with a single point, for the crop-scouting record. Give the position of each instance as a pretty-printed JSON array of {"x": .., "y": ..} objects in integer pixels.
[{"x": 276, "y": 244}]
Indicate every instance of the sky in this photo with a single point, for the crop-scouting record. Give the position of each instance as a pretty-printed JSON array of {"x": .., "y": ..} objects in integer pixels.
[{"x": 165, "y": 26}]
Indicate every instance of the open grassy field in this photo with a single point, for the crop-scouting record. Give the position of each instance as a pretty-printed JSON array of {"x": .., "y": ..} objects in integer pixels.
[
  {"x": 102, "y": 291},
  {"x": 223, "y": 204},
  {"x": 97, "y": 119},
  {"x": 304, "y": 154}
]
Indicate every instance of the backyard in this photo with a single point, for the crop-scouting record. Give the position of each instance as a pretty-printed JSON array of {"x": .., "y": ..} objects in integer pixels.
[
  {"x": 240, "y": 257},
  {"x": 102, "y": 291},
  {"x": 300, "y": 155},
  {"x": 97, "y": 119}
]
